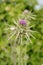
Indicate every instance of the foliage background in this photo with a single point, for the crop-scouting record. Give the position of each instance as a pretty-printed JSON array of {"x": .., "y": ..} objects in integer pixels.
[{"x": 10, "y": 9}]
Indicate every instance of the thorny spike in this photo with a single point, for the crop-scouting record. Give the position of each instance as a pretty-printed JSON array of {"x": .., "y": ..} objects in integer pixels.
[
  {"x": 12, "y": 36},
  {"x": 28, "y": 38}
]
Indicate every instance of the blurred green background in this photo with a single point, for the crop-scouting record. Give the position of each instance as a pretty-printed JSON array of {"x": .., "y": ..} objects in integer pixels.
[{"x": 10, "y": 9}]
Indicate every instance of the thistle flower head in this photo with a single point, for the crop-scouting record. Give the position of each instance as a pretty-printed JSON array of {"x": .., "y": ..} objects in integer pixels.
[
  {"x": 26, "y": 11},
  {"x": 22, "y": 29},
  {"x": 22, "y": 22}
]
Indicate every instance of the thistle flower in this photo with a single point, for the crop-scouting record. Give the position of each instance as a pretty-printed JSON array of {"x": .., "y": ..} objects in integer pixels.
[
  {"x": 25, "y": 30},
  {"x": 25, "y": 11},
  {"x": 22, "y": 22}
]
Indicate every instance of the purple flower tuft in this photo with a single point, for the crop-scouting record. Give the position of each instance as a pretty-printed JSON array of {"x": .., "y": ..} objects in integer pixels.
[{"x": 22, "y": 22}]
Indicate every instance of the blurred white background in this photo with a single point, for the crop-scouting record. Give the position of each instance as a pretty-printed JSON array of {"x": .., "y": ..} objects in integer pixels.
[
  {"x": 40, "y": 2},
  {"x": 40, "y": 5}
]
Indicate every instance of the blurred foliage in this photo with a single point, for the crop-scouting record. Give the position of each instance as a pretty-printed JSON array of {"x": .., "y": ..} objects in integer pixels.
[{"x": 9, "y": 10}]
